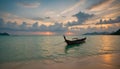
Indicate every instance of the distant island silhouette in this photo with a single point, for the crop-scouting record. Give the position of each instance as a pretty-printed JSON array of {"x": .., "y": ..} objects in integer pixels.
[
  {"x": 104, "y": 33},
  {"x": 97, "y": 33},
  {"x": 116, "y": 33},
  {"x": 4, "y": 34}
]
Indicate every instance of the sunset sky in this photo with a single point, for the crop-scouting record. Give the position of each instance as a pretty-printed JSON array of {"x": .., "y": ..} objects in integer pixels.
[{"x": 48, "y": 17}]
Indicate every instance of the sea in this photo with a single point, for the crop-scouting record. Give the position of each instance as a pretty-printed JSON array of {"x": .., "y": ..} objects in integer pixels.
[{"x": 26, "y": 48}]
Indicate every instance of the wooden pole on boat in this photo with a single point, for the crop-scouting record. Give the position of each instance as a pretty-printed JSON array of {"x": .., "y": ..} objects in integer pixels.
[{"x": 64, "y": 37}]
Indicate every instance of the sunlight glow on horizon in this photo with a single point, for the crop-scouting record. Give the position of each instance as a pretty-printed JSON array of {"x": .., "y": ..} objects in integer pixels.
[
  {"x": 69, "y": 33},
  {"x": 43, "y": 33}
]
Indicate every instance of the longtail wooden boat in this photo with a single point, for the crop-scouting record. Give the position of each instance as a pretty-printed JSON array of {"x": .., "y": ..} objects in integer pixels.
[{"x": 77, "y": 41}]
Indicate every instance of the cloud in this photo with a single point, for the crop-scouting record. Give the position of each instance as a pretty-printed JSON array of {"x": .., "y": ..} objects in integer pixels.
[
  {"x": 12, "y": 26},
  {"x": 29, "y": 4},
  {"x": 73, "y": 8},
  {"x": 8, "y": 26},
  {"x": 29, "y": 20},
  {"x": 103, "y": 9},
  {"x": 41, "y": 18},
  {"x": 110, "y": 21},
  {"x": 82, "y": 17},
  {"x": 23, "y": 26},
  {"x": 15, "y": 18},
  {"x": 35, "y": 26},
  {"x": 99, "y": 5},
  {"x": 57, "y": 27}
]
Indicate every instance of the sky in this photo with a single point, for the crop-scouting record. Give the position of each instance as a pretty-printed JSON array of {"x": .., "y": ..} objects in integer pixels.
[{"x": 52, "y": 17}]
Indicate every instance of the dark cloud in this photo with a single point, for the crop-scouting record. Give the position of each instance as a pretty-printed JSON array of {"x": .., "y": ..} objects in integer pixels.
[
  {"x": 110, "y": 21},
  {"x": 57, "y": 27},
  {"x": 35, "y": 27},
  {"x": 47, "y": 17},
  {"x": 41, "y": 18},
  {"x": 12, "y": 26},
  {"x": 43, "y": 28},
  {"x": 23, "y": 26},
  {"x": 82, "y": 17},
  {"x": 38, "y": 18},
  {"x": 9, "y": 26}
]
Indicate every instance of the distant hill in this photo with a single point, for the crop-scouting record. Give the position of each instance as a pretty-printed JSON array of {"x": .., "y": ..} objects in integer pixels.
[
  {"x": 97, "y": 33},
  {"x": 116, "y": 32},
  {"x": 104, "y": 33},
  {"x": 4, "y": 34}
]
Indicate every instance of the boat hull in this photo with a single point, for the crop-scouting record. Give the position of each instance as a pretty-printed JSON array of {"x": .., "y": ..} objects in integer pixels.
[{"x": 79, "y": 41}]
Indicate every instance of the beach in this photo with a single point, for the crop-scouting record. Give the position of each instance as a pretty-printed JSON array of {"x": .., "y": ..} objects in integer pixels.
[{"x": 105, "y": 61}]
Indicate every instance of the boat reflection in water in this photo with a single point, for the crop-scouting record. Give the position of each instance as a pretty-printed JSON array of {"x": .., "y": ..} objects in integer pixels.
[{"x": 67, "y": 47}]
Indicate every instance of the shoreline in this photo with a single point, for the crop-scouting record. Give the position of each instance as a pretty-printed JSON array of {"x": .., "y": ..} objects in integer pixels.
[{"x": 104, "y": 61}]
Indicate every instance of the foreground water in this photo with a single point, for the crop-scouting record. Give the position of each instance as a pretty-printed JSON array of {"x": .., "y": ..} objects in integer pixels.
[{"x": 23, "y": 48}]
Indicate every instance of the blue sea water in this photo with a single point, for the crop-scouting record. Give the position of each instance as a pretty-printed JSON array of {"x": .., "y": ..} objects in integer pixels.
[{"x": 23, "y": 48}]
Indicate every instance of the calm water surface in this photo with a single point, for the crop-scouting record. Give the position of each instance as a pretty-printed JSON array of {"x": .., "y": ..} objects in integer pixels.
[{"x": 22, "y": 48}]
